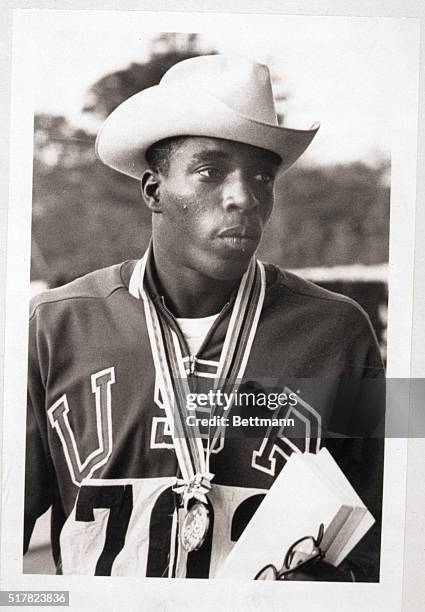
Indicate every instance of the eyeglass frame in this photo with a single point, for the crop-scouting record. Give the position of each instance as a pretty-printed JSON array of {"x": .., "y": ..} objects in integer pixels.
[{"x": 286, "y": 569}]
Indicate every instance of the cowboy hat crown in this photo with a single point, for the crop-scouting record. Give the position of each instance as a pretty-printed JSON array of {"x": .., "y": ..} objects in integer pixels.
[{"x": 216, "y": 96}]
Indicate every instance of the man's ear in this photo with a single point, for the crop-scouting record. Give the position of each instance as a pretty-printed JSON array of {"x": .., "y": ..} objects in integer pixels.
[{"x": 149, "y": 187}]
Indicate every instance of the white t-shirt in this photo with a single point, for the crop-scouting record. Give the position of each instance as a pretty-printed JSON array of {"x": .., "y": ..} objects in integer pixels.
[{"x": 194, "y": 330}]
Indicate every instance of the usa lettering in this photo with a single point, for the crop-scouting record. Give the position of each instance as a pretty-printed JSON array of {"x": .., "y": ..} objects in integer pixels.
[
  {"x": 80, "y": 468},
  {"x": 280, "y": 440}
]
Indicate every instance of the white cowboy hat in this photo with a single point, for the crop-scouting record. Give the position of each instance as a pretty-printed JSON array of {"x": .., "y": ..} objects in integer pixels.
[{"x": 217, "y": 96}]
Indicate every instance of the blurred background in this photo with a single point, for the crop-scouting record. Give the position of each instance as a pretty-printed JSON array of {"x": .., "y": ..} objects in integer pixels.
[{"x": 330, "y": 222}]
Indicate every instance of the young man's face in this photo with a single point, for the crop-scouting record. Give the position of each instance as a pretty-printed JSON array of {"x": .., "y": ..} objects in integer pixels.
[{"x": 213, "y": 204}]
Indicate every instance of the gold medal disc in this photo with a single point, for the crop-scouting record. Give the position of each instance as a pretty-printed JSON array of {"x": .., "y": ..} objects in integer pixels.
[{"x": 195, "y": 527}]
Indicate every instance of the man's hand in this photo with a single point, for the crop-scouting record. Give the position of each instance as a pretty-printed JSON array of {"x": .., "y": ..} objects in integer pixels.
[{"x": 320, "y": 571}]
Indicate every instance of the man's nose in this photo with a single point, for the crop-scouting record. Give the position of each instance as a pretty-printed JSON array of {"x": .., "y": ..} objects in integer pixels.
[{"x": 238, "y": 193}]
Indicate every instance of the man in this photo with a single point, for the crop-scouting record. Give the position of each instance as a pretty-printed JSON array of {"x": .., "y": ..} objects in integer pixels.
[{"x": 114, "y": 356}]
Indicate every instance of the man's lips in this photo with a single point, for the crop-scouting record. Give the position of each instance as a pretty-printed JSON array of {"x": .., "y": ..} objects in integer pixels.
[
  {"x": 241, "y": 238},
  {"x": 240, "y": 232}
]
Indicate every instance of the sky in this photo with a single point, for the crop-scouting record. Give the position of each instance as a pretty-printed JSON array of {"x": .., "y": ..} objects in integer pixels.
[{"x": 339, "y": 71}]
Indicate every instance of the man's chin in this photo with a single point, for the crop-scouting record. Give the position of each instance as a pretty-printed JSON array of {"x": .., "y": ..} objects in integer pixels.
[{"x": 229, "y": 269}]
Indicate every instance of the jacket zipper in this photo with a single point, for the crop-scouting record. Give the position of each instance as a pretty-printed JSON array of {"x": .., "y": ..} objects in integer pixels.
[{"x": 182, "y": 339}]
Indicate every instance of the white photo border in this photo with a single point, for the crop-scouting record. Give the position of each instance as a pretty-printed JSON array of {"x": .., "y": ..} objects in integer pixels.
[{"x": 101, "y": 591}]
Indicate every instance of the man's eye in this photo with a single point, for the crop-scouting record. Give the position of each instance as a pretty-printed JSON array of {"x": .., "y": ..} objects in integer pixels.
[
  {"x": 264, "y": 177},
  {"x": 210, "y": 172}
]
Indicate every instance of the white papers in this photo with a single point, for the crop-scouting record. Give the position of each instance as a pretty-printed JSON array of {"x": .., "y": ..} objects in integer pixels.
[{"x": 311, "y": 489}]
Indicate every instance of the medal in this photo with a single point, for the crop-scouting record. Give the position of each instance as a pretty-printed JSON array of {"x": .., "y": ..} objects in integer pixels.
[{"x": 195, "y": 527}]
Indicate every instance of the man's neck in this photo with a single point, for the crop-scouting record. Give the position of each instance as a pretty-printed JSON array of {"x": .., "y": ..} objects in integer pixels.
[{"x": 187, "y": 292}]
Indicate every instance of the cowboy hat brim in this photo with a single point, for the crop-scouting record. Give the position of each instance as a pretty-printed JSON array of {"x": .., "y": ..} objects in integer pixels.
[{"x": 166, "y": 111}]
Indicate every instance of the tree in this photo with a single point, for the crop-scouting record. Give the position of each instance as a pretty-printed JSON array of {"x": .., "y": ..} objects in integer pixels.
[
  {"x": 85, "y": 215},
  {"x": 112, "y": 89},
  {"x": 325, "y": 216}
]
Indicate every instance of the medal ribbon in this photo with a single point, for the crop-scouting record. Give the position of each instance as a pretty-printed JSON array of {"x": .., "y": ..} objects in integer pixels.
[
  {"x": 173, "y": 379},
  {"x": 240, "y": 335}
]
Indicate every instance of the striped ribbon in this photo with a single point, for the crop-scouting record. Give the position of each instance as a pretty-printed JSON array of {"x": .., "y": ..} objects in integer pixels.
[{"x": 173, "y": 379}]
